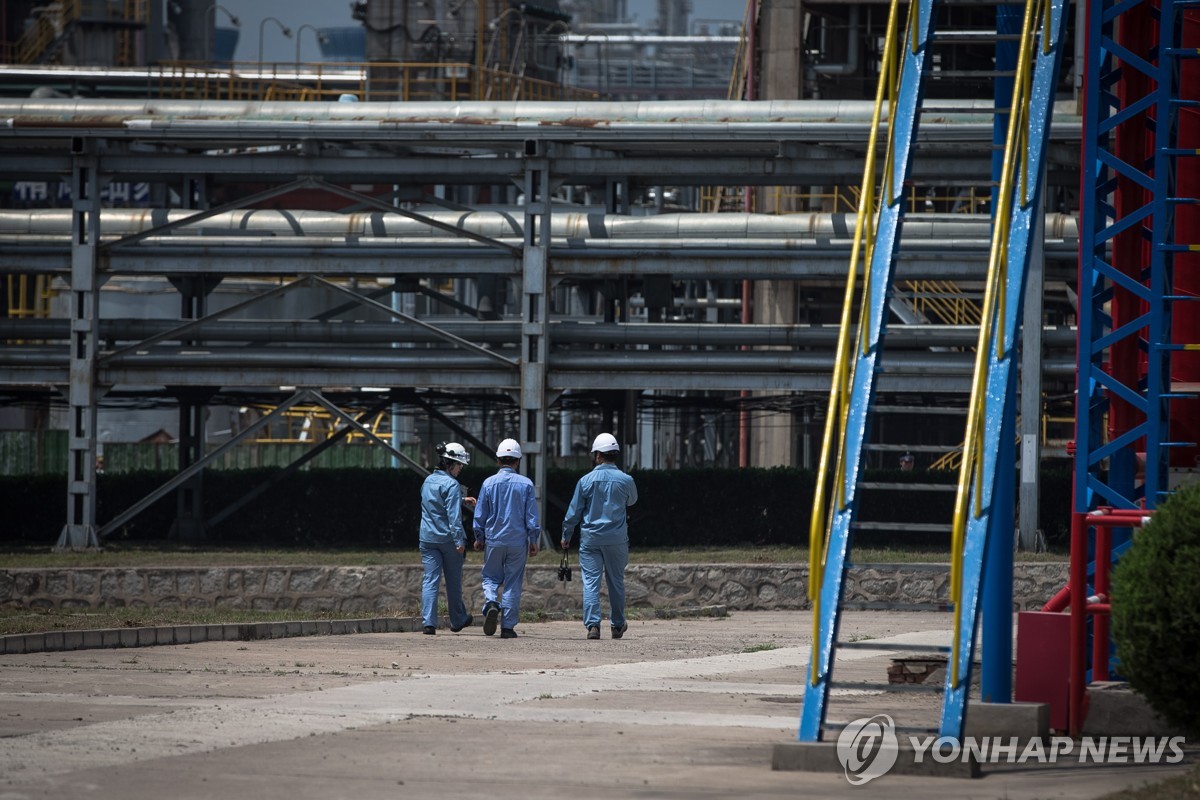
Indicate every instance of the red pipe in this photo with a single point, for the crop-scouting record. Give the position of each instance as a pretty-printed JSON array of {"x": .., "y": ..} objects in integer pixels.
[
  {"x": 1080, "y": 607},
  {"x": 1101, "y": 518},
  {"x": 1078, "y": 641},
  {"x": 1060, "y": 601},
  {"x": 1116, "y": 521},
  {"x": 1100, "y": 582}
]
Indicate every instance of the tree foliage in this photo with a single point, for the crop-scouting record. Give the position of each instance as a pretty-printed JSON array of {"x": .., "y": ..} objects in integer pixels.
[{"x": 1156, "y": 610}]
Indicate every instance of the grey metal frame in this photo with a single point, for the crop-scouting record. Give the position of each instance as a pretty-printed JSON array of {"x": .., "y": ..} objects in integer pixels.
[{"x": 607, "y": 149}]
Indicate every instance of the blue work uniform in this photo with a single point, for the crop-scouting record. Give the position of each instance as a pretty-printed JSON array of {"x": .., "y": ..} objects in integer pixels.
[
  {"x": 599, "y": 502},
  {"x": 506, "y": 521},
  {"x": 441, "y": 533}
]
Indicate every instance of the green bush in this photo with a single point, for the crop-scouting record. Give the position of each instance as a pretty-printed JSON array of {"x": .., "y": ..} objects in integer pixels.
[{"x": 1156, "y": 610}]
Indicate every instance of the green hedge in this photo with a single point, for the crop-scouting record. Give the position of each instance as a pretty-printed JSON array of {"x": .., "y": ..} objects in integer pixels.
[
  {"x": 380, "y": 507},
  {"x": 1156, "y": 610}
]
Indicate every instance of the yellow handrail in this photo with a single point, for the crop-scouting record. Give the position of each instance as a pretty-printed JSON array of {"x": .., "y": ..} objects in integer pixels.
[
  {"x": 29, "y": 296},
  {"x": 835, "y": 418},
  {"x": 136, "y": 11},
  {"x": 712, "y": 198},
  {"x": 741, "y": 67},
  {"x": 971, "y": 470},
  {"x": 945, "y": 300},
  {"x": 52, "y": 21}
]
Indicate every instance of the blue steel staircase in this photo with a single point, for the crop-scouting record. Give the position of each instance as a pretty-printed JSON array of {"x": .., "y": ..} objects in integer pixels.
[
  {"x": 1129, "y": 296},
  {"x": 1138, "y": 232},
  {"x": 990, "y": 431}
]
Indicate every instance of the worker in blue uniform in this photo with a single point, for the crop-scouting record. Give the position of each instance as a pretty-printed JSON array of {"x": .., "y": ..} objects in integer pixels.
[
  {"x": 507, "y": 530},
  {"x": 443, "y": 540},
  {"x": 599, "y": 508}
]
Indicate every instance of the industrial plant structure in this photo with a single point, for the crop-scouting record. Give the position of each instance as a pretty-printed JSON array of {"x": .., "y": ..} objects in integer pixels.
[{"x": 510, "y": 217}]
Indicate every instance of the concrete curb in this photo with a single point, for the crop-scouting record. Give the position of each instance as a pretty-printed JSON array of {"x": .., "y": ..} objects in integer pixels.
[
  {"x": 104, "y": 638},
  {"x": 190, "y": 634}
]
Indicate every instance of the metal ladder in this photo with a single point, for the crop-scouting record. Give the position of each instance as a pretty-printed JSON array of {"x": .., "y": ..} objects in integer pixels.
[{"x": 990, "y": 416}]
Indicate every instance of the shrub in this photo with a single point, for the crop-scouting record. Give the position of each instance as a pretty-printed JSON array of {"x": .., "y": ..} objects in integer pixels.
[{"x": 1156, "y": 610}]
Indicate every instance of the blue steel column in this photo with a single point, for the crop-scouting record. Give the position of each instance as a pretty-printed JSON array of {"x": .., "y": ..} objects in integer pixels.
[
  {"x": 1100, "y": 278},
  {"x": 996, "y": 667},
  {"x": 1162, "y": 256},
  {"x": 902, "y": 131},
  {"x": 1124, "y": 305},
  {"x": 998, "y": 450}
]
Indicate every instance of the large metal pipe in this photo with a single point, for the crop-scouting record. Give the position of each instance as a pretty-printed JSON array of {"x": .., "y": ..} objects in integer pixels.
[
  {"x": 640, "y": 360},
  {"x": 608, "y": 250},
  {"x": 561, "y": 332},
  {"x": 532, "y": 117},
  {"x": 581, "y": 227}
]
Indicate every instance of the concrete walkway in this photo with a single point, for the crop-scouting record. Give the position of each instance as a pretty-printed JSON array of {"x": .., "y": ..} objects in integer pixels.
[{"x": 681, "y": 708}]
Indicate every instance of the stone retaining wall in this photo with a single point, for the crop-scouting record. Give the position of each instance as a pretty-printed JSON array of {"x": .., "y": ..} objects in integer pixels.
[{"x": 398, "y": 588}]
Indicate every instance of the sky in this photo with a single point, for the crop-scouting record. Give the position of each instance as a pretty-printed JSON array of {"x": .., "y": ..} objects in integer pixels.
[{"x": 336, "y": 13}]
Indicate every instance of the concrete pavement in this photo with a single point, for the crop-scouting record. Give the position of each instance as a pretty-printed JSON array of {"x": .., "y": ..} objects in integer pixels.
[{"x": 680, "y": 708}]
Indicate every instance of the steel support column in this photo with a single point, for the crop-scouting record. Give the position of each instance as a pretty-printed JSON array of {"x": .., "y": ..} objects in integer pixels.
[
  {"x": 189, "y": 507},
  {"x": 80, "y": 529},
  {"x": 535, "y": 340},
  {"x": 1031, "y": 393}
]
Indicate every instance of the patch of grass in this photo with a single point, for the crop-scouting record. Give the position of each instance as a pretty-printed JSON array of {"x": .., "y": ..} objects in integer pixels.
[
  {"x": 774, "y": 554},
  {"x": 167, "y": 554},
  {"x": 761, "y": 647}
]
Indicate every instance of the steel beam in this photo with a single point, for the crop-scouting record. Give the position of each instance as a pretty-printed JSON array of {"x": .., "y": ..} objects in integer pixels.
[
  {"x": 82, "y": 443},
  {"x": 535, "y": 332}
]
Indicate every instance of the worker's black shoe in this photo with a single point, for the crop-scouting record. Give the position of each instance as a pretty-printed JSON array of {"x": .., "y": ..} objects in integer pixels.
[
  {"x": 429, "y": 630},
  {"x": 619, "y": 630},
  {"x": 491, "y": 616},
  {"x": 593, "y": 631},
  {"x": 469, "y": 621},
  {"x": 508, "y": 633}
]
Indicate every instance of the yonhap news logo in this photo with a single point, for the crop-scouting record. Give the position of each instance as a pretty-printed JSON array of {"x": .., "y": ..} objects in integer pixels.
[{"x": 869, "y": 748}]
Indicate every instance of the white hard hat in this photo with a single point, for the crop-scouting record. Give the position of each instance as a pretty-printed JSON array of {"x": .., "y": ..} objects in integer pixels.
[
  {"x": 509, "y": 448},
  {"x": 454, "y": 452},
  {"x": 605, "y": 443}
]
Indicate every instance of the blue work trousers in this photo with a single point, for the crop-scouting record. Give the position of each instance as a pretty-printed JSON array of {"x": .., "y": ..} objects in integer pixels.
[
  {"x": 439, "y": 559},
  {"x": 611, "y": 560},
  {"x": 504, "y": 565}
]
